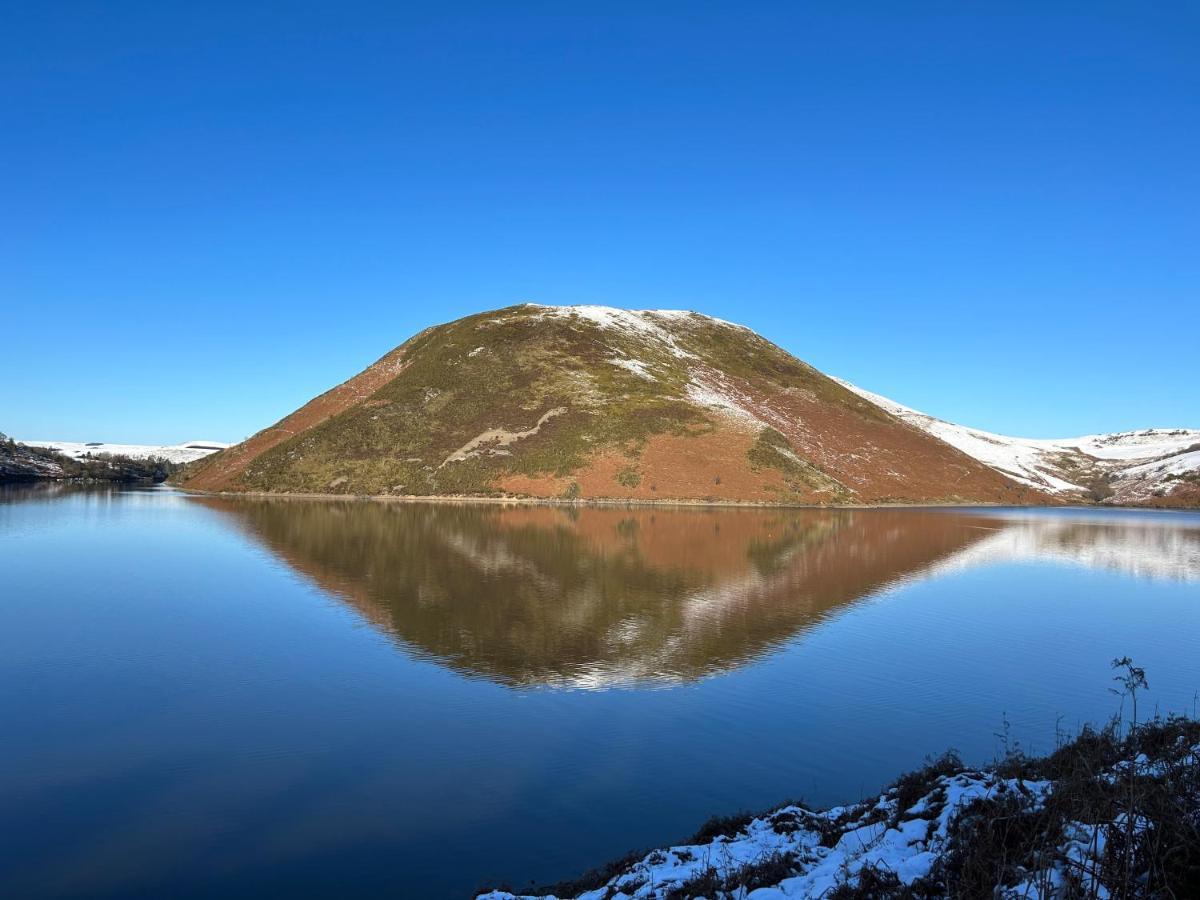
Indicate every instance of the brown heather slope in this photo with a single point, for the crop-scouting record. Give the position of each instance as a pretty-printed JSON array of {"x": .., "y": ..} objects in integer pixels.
[
  {"x": 222, "y": 469},
  {"x": 599, "y": 403}
]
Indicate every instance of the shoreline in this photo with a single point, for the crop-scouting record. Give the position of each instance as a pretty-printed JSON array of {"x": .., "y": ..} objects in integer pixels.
[
  {"x": 606, "y": 502},
  {"x": 617, "y": 502},
  {"x": 1021, "y": 827},
  {"x": 81, "y": 480}
]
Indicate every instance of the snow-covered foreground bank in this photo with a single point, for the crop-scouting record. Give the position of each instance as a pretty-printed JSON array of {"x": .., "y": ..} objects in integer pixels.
[
  {"x": 1052, "y": 828},
  {"x": 186, "y": 452}
]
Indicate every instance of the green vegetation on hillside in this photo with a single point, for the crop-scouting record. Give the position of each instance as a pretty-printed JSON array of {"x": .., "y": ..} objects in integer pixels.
[
  {"x": 596, "y": 402},
  {"x": 774, "y": 451},
  {"x": 504, "y": 371}
]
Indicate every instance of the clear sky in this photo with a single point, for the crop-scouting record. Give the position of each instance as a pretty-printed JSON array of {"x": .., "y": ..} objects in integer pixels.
[{"x": 210, "y": 212}]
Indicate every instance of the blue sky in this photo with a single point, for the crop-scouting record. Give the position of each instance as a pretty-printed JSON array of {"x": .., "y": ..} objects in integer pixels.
[{"x": 212, "y": 212}]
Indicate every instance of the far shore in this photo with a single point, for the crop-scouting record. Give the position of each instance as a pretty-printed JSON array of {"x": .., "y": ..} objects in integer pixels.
[{"x": 623, "y": 502}]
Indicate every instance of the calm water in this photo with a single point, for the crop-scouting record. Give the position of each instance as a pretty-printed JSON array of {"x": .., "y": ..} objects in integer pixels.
[{"x": 246, "y": 698}]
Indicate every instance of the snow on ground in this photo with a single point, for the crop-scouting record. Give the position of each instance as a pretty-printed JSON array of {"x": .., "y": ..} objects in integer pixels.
[
  {"x": 1022, "y": 459},
  {"x": 1127, "y": 445},
  {"x": 1038, "y": 462},
  {"x": 810, "y": 854},
  {"x": 828, "y": 848},
  {"x": 683, "y": 314},
  {"x": 713, "y": 391},
  {"x": 636, "y": 366},
  {"x": 647, "y": 323},
  {"x": 176, "y": 453},
  {"x": 1178, "y": 464},
  {"x": 630, "y": 321}
]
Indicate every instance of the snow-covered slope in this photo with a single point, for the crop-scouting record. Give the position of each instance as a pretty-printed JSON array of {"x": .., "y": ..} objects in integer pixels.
[
  {"x": 912, "y": 839},
  {"x": 176, "y": 453},
  {"x": 1135, "y": 466}
]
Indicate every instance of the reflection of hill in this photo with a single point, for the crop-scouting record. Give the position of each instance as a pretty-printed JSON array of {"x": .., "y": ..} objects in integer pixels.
[
  {"x": 1140, "y": 544},
  {"x": 595, "y": 596}
]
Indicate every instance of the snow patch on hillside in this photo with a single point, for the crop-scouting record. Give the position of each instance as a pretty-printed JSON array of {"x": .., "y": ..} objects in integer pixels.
[
  {"x": 1021, "y": 459},
  {"x": 653, "y": 324},
  {"x": 1046, "y": 464},
  {"x": 629, "y": 321},
  {"x": 636, "y": 366},
  {"x": 189, "y": 451},
  {"x": 1179, "y": 464},
  {"x": 714, "y": 391},
  {"x": 1129, "y": 445},
  {"x": 686, "y": 314}
]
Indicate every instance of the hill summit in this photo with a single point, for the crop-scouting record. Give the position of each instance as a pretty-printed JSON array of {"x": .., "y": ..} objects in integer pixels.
[{"x": 594, "y": 402}]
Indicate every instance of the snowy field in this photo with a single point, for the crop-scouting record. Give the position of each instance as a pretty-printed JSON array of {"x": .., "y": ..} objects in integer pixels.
[{"x": 176, "y": 453}]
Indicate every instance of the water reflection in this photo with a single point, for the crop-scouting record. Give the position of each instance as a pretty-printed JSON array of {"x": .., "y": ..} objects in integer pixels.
[
  {"x": 49, "y": 491},
  {"x": 1142, "y": 543},
  {"x": 194, "y": 721},
  {"x": 87, "y": 492},
  {"x": 599, "y": 597}
]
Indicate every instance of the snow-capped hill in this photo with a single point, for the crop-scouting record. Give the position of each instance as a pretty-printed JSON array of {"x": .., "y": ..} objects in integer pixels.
[
  {"x": 630, "y": 319},
  {"x": 1124, "y": 467},
  {"x": 176, "y": 453},
  {"x": 596, "y": 402},
  {"x": 1126, "y": 445}
]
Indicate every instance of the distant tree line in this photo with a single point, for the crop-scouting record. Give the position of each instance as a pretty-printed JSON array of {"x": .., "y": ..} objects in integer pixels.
[{"x": 21, "y": 462}]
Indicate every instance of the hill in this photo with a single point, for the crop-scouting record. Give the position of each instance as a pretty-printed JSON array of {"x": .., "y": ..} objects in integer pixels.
[{"x": 600, "y": 403}]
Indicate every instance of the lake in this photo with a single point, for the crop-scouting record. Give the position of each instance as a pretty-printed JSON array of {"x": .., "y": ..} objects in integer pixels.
[{"x": 248, "y": 697}]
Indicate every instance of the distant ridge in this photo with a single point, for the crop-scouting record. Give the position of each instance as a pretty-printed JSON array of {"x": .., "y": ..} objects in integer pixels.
[
  {"x": 1154, "y": 466},
  {"x": 189, "y": 451}
]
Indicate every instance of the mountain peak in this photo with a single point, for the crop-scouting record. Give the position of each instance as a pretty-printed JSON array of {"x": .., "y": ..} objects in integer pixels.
[{"x": 613, "y": 316}]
